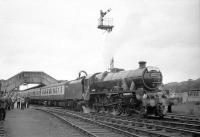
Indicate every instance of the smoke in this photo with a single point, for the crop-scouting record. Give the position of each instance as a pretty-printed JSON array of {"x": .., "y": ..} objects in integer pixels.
[
  {"x": 168, "y": 27},
  {"x": 116, "y": 39}
]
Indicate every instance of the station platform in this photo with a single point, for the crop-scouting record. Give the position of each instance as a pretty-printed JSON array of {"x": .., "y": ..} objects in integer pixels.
[{"x": 34, "y": 123}]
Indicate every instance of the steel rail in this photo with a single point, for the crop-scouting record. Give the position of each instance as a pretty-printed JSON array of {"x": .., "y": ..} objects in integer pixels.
[
  {"x": 150, "y": 123},
  {"x": 153, "y": 126},
  {"x": 70, "y": 123},
  {"x": 126, "y": 133},
  {"x": 173, "y": 119},
  {"x": 123, "y": 125},
  {"x": 186, "y": 126}
]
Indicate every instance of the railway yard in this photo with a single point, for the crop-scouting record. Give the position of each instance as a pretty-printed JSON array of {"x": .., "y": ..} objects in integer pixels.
[
  {"x": 118, "y": 103},
  {"x": 39, "y": 121},
  {"x": 133, "y": 74}
]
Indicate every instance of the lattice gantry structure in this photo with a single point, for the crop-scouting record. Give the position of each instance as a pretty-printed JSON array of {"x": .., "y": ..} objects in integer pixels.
[{"x": 105, "y": 23}]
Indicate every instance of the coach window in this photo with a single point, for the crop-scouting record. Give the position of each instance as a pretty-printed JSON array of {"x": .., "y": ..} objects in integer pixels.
[
  {"x": 57, "y": 90},
  {"x": 54, "y": 90},
  {"x": 50, "y": 90},
  {"x": 60, "y": 90}
]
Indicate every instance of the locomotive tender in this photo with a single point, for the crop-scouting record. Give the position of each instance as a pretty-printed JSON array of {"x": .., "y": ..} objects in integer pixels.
[{"x": 116, "y": 92}]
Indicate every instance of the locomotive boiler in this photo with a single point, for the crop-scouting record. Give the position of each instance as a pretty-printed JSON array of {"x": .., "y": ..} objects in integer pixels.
[{"x": 117, "y": 92}]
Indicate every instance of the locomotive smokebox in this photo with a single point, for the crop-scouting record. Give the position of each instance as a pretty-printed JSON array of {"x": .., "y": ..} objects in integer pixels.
[{"x": 142, "y": 64}]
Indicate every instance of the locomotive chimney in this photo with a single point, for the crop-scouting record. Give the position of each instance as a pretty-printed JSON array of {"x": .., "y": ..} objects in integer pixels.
[{"x": 142, "y": 64}]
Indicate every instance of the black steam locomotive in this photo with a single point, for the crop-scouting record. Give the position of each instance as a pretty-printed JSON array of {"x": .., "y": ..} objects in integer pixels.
[{"x": 117, "y": 92}]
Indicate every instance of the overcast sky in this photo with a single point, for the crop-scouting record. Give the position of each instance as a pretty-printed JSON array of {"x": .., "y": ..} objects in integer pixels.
[{"x": 60, "y": 37}]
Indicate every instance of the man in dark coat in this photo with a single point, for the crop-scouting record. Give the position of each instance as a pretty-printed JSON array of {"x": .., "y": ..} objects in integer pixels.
[{"x": 2, "y": 109}]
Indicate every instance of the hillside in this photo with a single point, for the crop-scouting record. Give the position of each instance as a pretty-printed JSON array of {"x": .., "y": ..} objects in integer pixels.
[{"x": 183, "y": 86}]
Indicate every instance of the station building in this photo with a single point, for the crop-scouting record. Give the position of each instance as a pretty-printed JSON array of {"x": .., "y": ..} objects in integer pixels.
[
  {"x": 194, "y": 95},
  {"x": 189, "y": 96}
]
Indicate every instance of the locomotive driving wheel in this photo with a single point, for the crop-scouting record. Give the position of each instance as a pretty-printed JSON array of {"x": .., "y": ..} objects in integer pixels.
[
  {"x": 118, "y": 109},
  {"x": 160, "y": 110}
]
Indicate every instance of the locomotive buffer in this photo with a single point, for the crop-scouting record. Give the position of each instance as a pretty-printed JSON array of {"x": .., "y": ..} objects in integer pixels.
[{"x": 105, "y": 23}]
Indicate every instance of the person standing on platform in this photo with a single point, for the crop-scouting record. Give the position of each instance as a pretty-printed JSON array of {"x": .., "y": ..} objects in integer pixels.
[
  {"x": 12, "y": 103},
  {"x": 18, "y": 102},
  {"x": 22, "y": 103},
  {"x": 9, "y": 103},
  {"x": 27, "y": 102},
  {"x": 3, "y": 110}
]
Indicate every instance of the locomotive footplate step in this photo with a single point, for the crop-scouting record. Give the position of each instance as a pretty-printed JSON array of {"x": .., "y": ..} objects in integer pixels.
[{"x": 34, "y": 123}]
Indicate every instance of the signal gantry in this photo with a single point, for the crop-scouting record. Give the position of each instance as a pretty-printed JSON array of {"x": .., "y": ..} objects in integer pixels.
[{"x": 105, "y": 23}]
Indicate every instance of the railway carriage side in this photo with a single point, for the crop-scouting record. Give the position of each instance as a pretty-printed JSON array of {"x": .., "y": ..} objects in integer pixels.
[
  {"x": 54, "y": 94},
  {"x": 74, "y": 94},
  {"x": 49, "y": 95}
]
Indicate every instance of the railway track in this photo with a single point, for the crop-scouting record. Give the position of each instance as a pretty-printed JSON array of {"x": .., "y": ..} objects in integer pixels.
[
  {"x": 87, "y": 126},
  {"x": 188, "y": 118},
  {"x": 172, "y": 119},
  {"x": 2, "y": 130},
  {"x": 144, "y": 127},
  {"x": 163, "y": 127}
]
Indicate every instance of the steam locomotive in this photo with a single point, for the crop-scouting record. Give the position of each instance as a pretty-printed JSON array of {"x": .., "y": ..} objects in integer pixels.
[{"x": 117, "y": 92}]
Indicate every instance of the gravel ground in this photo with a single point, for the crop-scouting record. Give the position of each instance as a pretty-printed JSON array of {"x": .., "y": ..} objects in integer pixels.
[
  {"x": 35, "y": 123},
  {"x": 190, "y": 108}
]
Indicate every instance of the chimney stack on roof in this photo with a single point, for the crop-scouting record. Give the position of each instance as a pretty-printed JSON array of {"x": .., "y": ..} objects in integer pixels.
[{"x": 142, "y": 64}]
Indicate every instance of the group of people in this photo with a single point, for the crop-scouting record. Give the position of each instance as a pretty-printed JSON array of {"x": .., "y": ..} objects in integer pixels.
[
  {"x": 8, "y": 104},
  {"x": 22, "y": 103}
]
